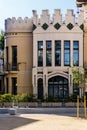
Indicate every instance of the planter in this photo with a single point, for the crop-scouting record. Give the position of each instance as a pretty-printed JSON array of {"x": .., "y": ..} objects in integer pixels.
[
  {"x": 51, "y": 104},
  {"x": 12, "y": 111},
  {"x": 38, "y": 104},
  {"x": 70, "y": 104}
]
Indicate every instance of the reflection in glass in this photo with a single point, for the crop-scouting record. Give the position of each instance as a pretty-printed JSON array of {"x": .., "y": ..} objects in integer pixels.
[
  {"x": 40, "y": 53},
  {"x": 48, "y": 53},
  {"x": 76, "y": 53},
  {"x": 67, "y": 53},
  {"x": 57, "y": 53}
]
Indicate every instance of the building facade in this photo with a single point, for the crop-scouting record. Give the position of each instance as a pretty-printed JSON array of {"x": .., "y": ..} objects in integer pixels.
[
  {"x": 83, "y": 4},
  {"x": 40, "y": 53},
  {"x": 18, "y": 56},
  {"x": 1, "y": 72}
]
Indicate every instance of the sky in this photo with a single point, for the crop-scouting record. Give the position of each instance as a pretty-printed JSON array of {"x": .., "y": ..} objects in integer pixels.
[{"x": 23, "y": 8}]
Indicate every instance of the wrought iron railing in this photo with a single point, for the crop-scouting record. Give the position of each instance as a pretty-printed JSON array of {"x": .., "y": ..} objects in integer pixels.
[
  {"x": 10, "y": 67},
  {"x": 1, "y": 68}
]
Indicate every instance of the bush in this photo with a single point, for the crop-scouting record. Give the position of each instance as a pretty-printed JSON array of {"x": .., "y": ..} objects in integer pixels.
[
  {"x": 17, "y": 98},
  {"x": 6, "y": 98},
  {"x": 24, "y": 98},
  {"x": 0, "y": 98}
]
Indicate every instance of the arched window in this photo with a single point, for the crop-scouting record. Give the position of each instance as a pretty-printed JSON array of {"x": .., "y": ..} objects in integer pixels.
[
  {"x": 58, "y": 87},
  {"x": 40, "y": 88}
]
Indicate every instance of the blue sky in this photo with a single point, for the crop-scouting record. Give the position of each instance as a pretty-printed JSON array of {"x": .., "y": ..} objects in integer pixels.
[{"x": 23, "y": 8}]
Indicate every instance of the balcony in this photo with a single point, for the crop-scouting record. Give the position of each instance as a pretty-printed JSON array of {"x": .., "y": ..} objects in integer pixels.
[
  {"x": 11, "y": 68},
  {"x": 1, "y": 68}
]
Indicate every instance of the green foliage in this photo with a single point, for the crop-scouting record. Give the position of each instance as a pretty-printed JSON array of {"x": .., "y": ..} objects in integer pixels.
[
  {"x": 24, "y": 98},
  {"x": 2, "y": 40},
  {"x": 29, "y": 98},
  {"x": 78, "y": 75},
  {"x": 50, "y": 98},
  {"x": 1, "y": 98},
  {"x": 73, "y": 98},
  {"x": 17, "y": 98},
  {"x": 6, "y": 98}
]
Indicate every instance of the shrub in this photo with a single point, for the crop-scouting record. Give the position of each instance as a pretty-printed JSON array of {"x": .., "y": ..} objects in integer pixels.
[
  {"x": 24, "y": 98},
  {"x": 0, "y": 98},
  {"x": 6, "y": 98},
  {"x": 50, "y": 98}
]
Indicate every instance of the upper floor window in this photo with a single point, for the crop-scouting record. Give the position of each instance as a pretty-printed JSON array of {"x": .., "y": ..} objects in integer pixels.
[
  {"x": 76, "y": 53},
  {"x": 14, "y": 86},
  {"x": 67, "y": 53},
  {"x": 48, "y": 53},
  {"x": 40, "y": 45},
  {"x": 14, "y": 57},
  {"x": 57, "y": 53},
  {"x": 40, "y": 53}
]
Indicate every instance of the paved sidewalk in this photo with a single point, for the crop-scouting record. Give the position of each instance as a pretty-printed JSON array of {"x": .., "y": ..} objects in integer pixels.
[{"x": 41, "y": 122}]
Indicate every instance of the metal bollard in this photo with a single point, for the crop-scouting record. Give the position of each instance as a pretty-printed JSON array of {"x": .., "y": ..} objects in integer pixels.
[
  {"x": 84, "y": 106},
  {"x": 77, "y": 106}
]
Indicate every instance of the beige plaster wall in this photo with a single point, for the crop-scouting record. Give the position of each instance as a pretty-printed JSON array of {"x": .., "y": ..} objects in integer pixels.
[{"x": 23, "y": 41}]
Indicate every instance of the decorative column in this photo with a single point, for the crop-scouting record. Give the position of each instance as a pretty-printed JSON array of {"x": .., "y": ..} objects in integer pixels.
[
  {"x": 34, "y": 82},
  {"x": 53, "y": 53},
  {"x": 44, "y": 54},
  {"x": 45, "y": 82},
  {"x": 71, "y": 53},
  {"x": 62, "y": 53}
]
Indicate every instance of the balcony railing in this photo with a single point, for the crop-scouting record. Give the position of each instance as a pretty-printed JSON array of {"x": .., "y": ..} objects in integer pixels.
[
  {"x": 10, "y": 67},
  {"x": 1, "y": 68}
]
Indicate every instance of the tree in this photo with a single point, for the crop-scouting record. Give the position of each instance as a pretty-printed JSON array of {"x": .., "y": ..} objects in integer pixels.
[
  {"x": 2, "y": 40},
  {"x": 78, "y": 75}
]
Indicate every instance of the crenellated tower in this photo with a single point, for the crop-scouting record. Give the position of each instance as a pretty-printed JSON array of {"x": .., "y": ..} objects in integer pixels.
[{"x": 18, "y": 55}]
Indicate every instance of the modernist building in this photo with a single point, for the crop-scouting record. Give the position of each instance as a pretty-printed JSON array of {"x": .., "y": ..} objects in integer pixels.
[{"x": 40, "y": 52}]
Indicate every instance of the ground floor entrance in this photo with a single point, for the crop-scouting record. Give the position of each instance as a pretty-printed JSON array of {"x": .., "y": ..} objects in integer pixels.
[{"x": 58, "y": 87}]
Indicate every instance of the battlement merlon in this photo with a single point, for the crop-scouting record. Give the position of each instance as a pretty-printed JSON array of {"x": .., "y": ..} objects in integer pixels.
[
  {"x": 18, "y": 25},
  {"x": 26, "y": 24},
  {"x": 57, "y": 17},
  {"x": 70, "y": 17}
]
